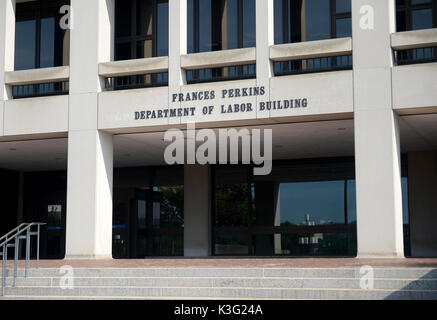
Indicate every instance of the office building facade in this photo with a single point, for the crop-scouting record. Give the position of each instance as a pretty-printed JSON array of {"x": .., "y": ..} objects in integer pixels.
[{"x": 348, "y": 88}]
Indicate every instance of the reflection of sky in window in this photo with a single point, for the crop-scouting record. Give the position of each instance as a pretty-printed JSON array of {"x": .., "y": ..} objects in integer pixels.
[
  {"x": 343, "y": 28},
  {"x": 47, "y": 43},
  {"x": 204, "y": 26},
  {"x": 422, "y": 19},
  {"x": 249, "y": 24},
  {"x": 323, "y": 201},
  {"x": 25, "y": 45},
  {"x": 278, "y": 22},
  {"x": 232, "y": 25},
  {"x": 342, "y": 6},
  {"x": 318, "y": 25},
  {"x": 162, "y": 29}
]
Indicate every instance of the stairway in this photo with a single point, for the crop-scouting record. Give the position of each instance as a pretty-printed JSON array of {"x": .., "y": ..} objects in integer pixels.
[{"x": 224, "y": 283}]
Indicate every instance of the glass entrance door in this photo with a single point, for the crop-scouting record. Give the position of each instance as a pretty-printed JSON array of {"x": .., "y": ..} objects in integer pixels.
[{"x": 155, "y": 231}]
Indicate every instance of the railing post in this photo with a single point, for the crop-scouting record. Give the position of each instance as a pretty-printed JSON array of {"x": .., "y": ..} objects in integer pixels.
[
  {"x": 17, "y": 244},
  {"x": 37, "y": 248},
  {"x": 27, "y": 252},
  {"x": 4, "y": 270}
]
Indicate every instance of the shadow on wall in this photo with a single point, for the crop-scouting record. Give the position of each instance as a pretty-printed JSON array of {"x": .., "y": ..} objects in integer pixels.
[{"x": 424, "y": 288}]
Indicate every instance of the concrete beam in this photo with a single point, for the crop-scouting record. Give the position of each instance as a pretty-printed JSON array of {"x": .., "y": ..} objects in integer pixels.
[
  {"x": 133, "y": 67},
  {"x": 414, "y": 39},
  {"x": 216, "y": 59},
  {"x": 311, "y": 49},
  {"x": 33, "y": 76}
]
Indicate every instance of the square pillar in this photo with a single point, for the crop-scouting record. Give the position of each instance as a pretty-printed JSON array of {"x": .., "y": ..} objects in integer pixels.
[
  {"x": 377, "y": 145},
  {"x": 7, "y": 51},
  {"x": 89, "y": 195},
  {"x": 264, "y": 39},
  {"x": 177, "y": 46},
  {"x": 197, "y": 204},
  {"x": 90, "y": 151}
]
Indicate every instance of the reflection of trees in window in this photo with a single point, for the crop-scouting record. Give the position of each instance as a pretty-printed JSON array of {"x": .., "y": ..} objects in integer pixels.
[
  {"x": 172, "y": 206},
  {"x": 234, "y": 204}
]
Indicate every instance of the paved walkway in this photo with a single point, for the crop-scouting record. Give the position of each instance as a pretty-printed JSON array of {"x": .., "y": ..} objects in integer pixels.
[{"x": 239, "y": 263}]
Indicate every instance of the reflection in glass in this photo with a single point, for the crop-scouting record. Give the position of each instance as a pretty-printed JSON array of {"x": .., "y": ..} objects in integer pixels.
[
  {"x": 39, "y": 40},
  {"x": 25, "y": 45},
  {"x": 310, "y": 20},
  {"x": 421, "y": 19},
  {"x": 141, "y": 29},
  {"x": 148, "y": 212},
  {"x": 277, "y": 215},
  {"x": 220, "y": 25}
]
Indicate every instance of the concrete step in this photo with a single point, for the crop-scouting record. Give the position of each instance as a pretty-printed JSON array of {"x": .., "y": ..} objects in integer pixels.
[
  {"x": 224, "y": 283},
  {"x": 345, "y": 273},
  {"x": 183, "y": 282},
  {"x": 219, "y": 293}
]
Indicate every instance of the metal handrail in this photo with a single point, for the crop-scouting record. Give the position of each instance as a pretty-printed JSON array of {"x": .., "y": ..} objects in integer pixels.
[
  {"x": 16, "y": 235},
  {"x": 12, "y": 231}
]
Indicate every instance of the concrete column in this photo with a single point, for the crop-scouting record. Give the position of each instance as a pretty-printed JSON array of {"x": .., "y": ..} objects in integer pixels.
[
  {"x": 264, "y": 39},
  {"x": 377, "y": 148},
  {"x": 197, "y": 206},
  {"x": 177, "y": 46},
  {"x": 7, "y": 46},
  {"x": 90, "y": 152},
  {"x": 422, "y": 185}
]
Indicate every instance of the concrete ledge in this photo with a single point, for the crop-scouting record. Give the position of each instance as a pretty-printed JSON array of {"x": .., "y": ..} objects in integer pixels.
[
  {"x": 414, "y": 39},
  {"x": 216, "y": 59},
  {"x": 32, "y": 76},
  {"x": 311, "y": 49},
  {"x": 133, "y": 67}
]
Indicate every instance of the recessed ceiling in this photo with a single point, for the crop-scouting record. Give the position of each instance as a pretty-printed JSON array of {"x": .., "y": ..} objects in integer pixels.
[{"x": 290, "y": 141}]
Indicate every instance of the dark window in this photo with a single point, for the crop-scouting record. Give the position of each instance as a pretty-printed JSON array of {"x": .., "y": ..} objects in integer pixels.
[
  {"x": 221, "y": 74},
  {"x": 137, "y": 81},
  {"x": 220, "y": 24},
  {"x": 148, "y": 215},
  {"x": 302, "y": 208},
  {"x": 309, "y": 20},
  {"x": 416, "y": 15},
  {"x": 415, "y": 56},
  {"x": 40, "y": 42},
  {"x": 40, "y": 90},
  {"x": 312, "y": 65},
  {"x": 141, "y": 29}
]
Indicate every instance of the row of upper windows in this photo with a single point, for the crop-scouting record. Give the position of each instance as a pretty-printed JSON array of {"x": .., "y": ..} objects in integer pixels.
[{"x": 141, "y": 26}]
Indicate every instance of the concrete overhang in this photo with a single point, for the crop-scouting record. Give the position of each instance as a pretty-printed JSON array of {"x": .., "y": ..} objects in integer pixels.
[
  {"x": 217, "y": 59},
  {"x": 133, "y": 67},
  {"x": 311, "y": 49},
  {"x": 33, "y": 76},
  {"x": 414, "y": 39}
]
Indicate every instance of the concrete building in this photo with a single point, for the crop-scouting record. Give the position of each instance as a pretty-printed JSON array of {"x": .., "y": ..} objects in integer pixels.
[{"x": 348, "y": 88}]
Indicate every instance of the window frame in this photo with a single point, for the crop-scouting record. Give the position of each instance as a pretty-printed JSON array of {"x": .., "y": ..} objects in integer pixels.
[
  {"x": 37, "y": 8},
  {"x": 286, "y": 20},
  {"x": 216, "y": 27},
  {"x": 133, "y": 38},
  {"x": 408, "y": 9}
]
